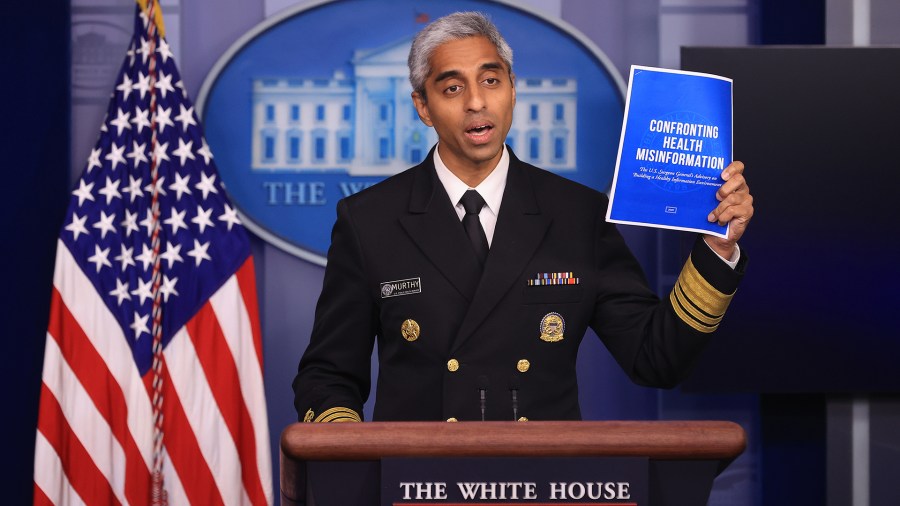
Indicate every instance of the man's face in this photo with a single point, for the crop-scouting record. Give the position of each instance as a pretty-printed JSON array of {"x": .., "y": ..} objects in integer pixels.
[{"x": 469, "y": 101}]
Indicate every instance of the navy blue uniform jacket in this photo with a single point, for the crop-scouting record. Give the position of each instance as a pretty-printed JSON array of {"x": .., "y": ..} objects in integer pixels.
[{"x": 482, "y": 329}]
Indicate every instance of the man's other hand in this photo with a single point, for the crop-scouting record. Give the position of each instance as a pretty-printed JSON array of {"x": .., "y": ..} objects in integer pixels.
[{"x": 735, "y": 208}]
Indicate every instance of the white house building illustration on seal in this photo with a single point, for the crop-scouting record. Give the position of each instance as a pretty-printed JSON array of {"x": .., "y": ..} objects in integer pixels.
[{"x": 366, "y": 125}]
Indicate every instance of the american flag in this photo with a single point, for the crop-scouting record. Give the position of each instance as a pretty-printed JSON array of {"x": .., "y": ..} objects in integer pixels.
[{"x": 152, "y": 382}]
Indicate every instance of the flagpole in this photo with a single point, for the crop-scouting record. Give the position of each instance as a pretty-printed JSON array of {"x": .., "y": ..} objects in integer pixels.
[
  {"x": 158, "y": 494},
  {"x": 156, "y": 15}
]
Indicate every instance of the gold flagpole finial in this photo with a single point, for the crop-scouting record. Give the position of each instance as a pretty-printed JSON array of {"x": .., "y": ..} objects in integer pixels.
[{"x": 157, "y": 15}]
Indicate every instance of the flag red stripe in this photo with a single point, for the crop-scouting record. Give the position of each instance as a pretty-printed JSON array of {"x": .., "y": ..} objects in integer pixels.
[
  {"x": 84, "y": 476},
  {"x": 246, "y": 278},
  {"x": 183, "y": 449},
  {"x": 103, "y": 389},
  {"x": 225, "y": 384},
  {"x": 40, "y": 498}
]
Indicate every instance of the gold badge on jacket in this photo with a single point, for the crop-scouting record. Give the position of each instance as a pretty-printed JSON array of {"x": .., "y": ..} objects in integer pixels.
[
  {"x": 553, "y": 327},
  {"x": 409, "y": 330}
]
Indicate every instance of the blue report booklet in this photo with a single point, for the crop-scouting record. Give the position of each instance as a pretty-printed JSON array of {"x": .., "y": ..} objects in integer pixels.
[{"x": 676, "y": 140}]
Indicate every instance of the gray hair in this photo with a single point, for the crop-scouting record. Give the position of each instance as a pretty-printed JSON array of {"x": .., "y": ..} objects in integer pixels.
[{"x": 456, "y": 26}]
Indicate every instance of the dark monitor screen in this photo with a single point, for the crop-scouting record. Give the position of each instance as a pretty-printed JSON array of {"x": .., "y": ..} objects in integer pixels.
[{"x": 819, "y": 308}]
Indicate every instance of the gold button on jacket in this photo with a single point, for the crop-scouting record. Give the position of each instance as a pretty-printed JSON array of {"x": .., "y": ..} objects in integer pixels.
[{"x": 523, "y": 365}]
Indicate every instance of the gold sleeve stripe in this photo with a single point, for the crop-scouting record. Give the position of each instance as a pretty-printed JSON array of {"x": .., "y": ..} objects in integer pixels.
[
  {"x": 696, "y": 302},
  {"x": 687, "y": 305},
  {"x": 701, "y": 293},
  {"x": 687, "y": 318},
  {"x": 338, "y": 414}
]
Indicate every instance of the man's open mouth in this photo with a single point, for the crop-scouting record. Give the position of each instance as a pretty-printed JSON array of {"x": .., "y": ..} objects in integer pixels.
[{"x": 479, "y": 129}]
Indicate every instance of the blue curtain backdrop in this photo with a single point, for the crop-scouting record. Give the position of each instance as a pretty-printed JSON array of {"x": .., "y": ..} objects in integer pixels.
[{"x": 35, "y": 146}]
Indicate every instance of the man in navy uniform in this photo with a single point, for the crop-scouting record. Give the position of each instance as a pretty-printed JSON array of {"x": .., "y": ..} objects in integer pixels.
[{"x": 479, "y": 274}]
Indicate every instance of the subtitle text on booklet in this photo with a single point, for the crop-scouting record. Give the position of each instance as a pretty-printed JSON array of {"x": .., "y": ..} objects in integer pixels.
[{"x": 676, "y": 141}]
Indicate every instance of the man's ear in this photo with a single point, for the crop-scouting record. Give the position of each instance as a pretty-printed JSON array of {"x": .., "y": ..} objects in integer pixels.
[
  {"x": 421, "y": 107},
  {"x": 512, "y": 79}
]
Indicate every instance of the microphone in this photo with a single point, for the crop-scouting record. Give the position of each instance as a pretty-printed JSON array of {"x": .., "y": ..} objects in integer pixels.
[
  {"x": 482, "y": 389},
  {"x": 514, "y": 392}
]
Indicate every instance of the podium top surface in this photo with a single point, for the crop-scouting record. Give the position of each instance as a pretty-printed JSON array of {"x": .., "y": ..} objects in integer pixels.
[{"x": 668, "y": 440}]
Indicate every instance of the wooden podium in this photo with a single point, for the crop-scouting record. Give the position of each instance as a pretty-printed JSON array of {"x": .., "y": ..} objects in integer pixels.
[{"x": 344, "y": 458}]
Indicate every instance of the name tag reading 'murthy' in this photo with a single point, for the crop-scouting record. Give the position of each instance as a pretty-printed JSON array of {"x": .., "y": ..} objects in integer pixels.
[{"x": 401, "y": 287}]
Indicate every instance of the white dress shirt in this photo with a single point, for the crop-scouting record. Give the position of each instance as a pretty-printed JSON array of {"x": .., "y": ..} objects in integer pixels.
[{"x": 491, "y": 190}]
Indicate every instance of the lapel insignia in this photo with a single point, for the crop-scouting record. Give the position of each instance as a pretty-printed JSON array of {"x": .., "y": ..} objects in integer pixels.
[
  {"x": 401, "y": 287},
  {"x": 410, "y": 330},
  {"x": 553, "y": 327},
  {"x": 554, "y": 278}
]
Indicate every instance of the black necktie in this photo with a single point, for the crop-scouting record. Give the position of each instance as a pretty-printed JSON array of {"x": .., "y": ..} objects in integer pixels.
[{"x": 472, "y": 203}]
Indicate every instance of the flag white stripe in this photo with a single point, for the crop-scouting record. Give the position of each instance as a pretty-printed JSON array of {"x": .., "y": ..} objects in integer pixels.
[
  {"x": 203, "y": 414},
  {"x": 52, "y": 480},
  {"x": 87, "y": 424},
  {"x": 234, "y": 320},
  {"x": 104, "y": 332},
  {"x": 173, "y": 486}
]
